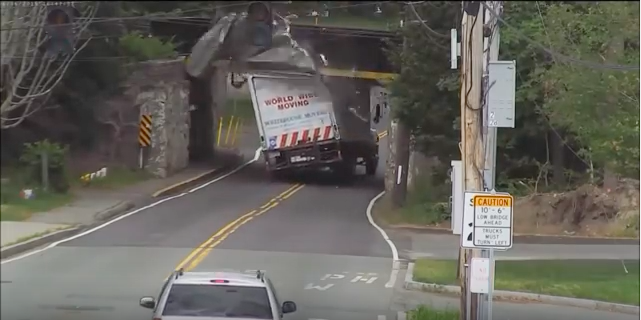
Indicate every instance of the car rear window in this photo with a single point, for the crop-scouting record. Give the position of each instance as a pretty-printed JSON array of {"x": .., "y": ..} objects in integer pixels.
[{"x": 191, "y": 300}]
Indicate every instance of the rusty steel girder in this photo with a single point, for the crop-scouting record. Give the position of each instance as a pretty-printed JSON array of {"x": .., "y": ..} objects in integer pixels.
[{"x": 349, "y": 52}]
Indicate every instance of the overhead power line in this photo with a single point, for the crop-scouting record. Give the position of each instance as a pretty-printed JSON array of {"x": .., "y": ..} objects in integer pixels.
[
  {"x": 420, "y": 19},
  {"x": 163, "y": 15}
]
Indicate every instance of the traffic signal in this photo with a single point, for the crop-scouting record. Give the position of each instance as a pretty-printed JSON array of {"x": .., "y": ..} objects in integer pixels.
[
  {"x": 259, "y": 17},
  {"x": 59, "y": 28}
]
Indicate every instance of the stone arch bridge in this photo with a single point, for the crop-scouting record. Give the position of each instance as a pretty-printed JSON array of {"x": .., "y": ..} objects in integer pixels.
[{"x": 355, "y": 53}]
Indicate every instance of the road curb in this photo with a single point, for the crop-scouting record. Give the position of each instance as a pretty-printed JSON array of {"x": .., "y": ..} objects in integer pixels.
[
  {"x": 105, "y": 215},
  {"x": 112, "y": 212},
  {"x": 522, "y": 237},
  {"x": 502, "y": 295},
  {"x": 100, "y": 217},
  {"x": 199, "y": 178},
  {"x": 30, "y": 244}
]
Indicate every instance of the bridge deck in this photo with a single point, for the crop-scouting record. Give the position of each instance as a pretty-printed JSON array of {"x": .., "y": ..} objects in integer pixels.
[{"x": 354, "y": 53}]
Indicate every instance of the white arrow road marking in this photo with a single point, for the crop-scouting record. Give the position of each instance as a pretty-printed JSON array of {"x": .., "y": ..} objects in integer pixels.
[{"x": 321, "y": 288}]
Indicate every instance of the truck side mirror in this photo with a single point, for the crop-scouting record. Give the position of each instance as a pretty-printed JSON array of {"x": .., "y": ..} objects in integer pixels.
[{"x": 377, "y": 114}]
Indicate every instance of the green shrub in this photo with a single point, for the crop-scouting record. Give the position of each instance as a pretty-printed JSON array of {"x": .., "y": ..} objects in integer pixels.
[
  {"x": 32, "y": 156},
  {"x": 140, "y": 48}
]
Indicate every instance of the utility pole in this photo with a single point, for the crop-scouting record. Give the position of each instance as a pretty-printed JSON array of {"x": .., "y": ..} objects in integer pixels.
[
  {"x": 491, "y": 53},
  {"x": 472, "y": 148},
  {"x": 402, "y": 157}
]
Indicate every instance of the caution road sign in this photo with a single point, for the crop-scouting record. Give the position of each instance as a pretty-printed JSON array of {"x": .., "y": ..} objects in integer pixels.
[
  {"x": 487, "y": 220},
  {"x": 492, "y": 221},
  {"x": 144, "y": 131}
]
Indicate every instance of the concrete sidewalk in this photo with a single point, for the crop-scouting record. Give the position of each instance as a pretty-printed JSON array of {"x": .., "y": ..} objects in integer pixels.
[
  {"x": 92, "y": 206},
  {"x": 413, "y": 245}
]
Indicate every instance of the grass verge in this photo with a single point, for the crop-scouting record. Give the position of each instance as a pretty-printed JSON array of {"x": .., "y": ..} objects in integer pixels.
[
  {"x": 426, "y": 205},
  {"x": 117, "y": 177},
  {"x": 427, "y": 313},
  {"x": 18, "y": 209},
  {"x": 603, "y": 280},
  {"x": 15, "y": 208}
]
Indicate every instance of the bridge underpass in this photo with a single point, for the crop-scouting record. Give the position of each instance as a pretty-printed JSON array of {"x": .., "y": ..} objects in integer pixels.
[{"x": 350, "y": 53}]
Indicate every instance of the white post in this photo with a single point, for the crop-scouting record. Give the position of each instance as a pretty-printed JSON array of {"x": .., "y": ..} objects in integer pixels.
[{"x": 140, "y": 158}]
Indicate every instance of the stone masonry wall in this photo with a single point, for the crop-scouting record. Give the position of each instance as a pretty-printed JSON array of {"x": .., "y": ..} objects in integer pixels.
[{"x": 160, "y": 89}]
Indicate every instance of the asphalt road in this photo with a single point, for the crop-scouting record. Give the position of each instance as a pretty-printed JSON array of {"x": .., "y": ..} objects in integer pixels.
[
  {"x": 311, "y": 236},
  {"x": 101, "y": 275}
]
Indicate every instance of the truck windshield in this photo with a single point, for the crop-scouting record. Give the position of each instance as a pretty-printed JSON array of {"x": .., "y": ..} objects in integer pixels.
[{"x": 218, "y": 301}]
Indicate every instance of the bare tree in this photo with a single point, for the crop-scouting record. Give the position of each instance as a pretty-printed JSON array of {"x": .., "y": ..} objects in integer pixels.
[{"x": 28, "y": 76}]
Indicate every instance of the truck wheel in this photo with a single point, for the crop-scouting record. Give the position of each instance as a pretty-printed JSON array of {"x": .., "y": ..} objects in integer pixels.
[
  {"x": 371, "y": 165},
  {"x": 346, "y": 170}
]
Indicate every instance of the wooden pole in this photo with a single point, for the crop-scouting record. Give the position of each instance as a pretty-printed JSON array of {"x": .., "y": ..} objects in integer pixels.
[
  {"x": 402, "y": 155},
  {"x": 471, "y": 132}
]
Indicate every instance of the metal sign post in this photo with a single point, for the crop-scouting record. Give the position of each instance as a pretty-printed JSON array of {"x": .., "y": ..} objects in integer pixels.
[
  {"x": 487, "y": 224},
  {"x": 499, "y": 83}
]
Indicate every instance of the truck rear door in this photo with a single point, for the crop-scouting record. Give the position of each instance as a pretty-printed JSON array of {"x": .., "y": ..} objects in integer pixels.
[{"x": 292, "y": 111}]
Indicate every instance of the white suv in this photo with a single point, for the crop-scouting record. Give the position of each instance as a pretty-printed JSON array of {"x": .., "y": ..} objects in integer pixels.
[{"x": 217, "y": 296}]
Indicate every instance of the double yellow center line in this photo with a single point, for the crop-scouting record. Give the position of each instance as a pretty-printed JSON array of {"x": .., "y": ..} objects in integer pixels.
[
  {"x": 203, "y": 250},
  {"x": 197, "y": 256}
]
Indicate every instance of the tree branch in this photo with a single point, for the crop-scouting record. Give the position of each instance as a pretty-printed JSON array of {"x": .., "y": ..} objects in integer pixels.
[{"x": 28, "y": 76}]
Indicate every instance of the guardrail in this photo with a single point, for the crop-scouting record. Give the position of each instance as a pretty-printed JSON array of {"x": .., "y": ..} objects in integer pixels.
[{"x": 88, "y": 177}]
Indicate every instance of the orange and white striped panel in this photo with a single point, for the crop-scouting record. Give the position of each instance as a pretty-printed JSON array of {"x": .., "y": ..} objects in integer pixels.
[{"x": 316, "y": 134}]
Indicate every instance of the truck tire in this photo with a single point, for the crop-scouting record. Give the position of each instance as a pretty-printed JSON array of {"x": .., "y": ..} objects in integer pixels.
[
  {"x": 346, "y": 170},
  {"x": 371, "y": 164}
]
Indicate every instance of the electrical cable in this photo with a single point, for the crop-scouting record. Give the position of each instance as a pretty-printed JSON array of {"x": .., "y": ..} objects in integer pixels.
[
  {"x": 469, "y": 56},
  {"x": 89, "y": 59},
  {"x": 430, "y": 30},
  {"x": 556, "y": 54},
  {"x": 157, "y": 17},
  {"x": 150, "y": 16},
  {"x": 163, "y": 15},
  {"x": 467, "y": 104}
]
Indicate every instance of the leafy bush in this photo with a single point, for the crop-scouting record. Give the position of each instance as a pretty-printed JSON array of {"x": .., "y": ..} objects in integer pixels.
[
  {"x": 56, "y": 154},
  {"x": 140, "y": 48}
]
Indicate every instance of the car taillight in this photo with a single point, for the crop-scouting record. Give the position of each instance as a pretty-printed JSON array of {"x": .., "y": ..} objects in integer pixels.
[{"x": 219, "y": 281}]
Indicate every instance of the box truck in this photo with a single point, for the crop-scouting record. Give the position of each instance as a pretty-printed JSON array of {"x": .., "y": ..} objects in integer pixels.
[{"x": 302, "y": 125}]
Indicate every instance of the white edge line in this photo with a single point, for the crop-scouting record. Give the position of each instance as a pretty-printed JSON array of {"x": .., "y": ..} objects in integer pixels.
[
  {"x": 254, "y": 159},
  {"x": 96, "y": 228},
  {"x": 395, "y": 262}
]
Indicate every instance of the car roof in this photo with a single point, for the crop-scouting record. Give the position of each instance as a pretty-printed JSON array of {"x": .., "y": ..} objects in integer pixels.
[{"x": 230, "y": 278}]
